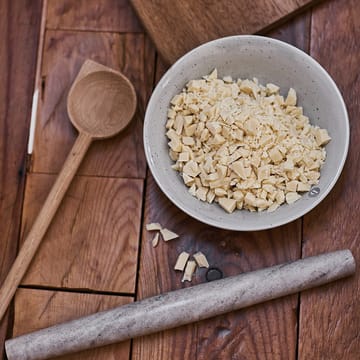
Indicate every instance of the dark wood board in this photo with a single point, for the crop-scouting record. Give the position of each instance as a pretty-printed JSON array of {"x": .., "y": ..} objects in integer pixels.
[
  {"x": 19, "y": 28},
  {"x": 330, "y": 315},
  {"x": 178, "y": 26},
  {"x": 92, "y": 15}
]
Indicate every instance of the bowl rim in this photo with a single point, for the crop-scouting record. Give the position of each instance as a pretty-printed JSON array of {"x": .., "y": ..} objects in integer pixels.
[{"x": 194, "y": 214}]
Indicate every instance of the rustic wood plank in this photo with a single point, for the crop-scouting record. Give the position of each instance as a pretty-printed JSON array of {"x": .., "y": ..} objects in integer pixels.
[
  {"x": 178, "y": 26},
  {"x": 64, "y": 53},
  {"x": 92, "y": 15},
  {"x": 37, "y": 309},
  {"x": 330, "y": 316},
  {"x": 264, "y": 331},
  {"x": 232, "y": 253},
  {"x": 93, "y": 240},
  {"x": 19, "y": 28}
]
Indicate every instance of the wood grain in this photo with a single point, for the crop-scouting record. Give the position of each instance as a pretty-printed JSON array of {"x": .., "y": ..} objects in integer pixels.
[
  {"x": 120, "y": 105},
  {"x": 264, "y": 331},
  {"x": 37, "y": 309},
  {"x": 92, "y": 15},
  {"x": 64, "y": 53},
  {"x": 295, "y": 32},
  {"x": 41, "y": 223},
  {"x": 232, "y": 253},
  {"x": 93, "y": 240},
  {"x": 178, "y": 26},
  {"x": 330, "y": 316},
  {"x": 17, "y": 73}
]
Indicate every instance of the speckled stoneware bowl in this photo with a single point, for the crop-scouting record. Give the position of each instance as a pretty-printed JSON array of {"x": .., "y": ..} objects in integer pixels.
[{"x": 268, "y": 60}]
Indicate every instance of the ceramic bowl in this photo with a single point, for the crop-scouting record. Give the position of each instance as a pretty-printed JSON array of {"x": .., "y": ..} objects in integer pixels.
[{"x": 268, "y": 60}]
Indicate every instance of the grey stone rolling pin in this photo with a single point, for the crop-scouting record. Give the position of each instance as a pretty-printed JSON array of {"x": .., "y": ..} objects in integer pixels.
[{"x": 181, "y": 307}]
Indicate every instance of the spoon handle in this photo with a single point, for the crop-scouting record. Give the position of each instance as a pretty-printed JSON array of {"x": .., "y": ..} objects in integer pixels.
[{"x": 43, "y": 221}]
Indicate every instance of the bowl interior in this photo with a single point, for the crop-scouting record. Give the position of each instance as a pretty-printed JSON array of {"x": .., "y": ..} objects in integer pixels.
[{"x": 268, "y": 60}]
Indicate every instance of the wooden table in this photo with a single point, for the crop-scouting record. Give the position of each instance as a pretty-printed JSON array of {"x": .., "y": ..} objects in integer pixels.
[{"x": 97, "y": 253}]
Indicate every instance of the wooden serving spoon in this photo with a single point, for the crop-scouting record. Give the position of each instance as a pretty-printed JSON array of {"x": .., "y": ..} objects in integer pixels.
[{"x": 101, "y": 103}]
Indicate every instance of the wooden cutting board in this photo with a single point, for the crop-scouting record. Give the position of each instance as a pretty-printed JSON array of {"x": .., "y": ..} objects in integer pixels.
[{"x": 177, "y": 26}]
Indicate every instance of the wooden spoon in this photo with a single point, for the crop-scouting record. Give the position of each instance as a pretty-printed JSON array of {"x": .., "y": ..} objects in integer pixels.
[{"x": 100, "y": 104}]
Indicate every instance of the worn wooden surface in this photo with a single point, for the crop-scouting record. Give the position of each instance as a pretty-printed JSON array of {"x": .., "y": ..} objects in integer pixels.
[
  {"x": 93, "y": 240},
  {"x": 241, "y": 332},
  {"x": 64, "y": 53},
  {"x": 330, "y": 316},
  {"x": 97, "y": 248},
  {"x": 19, "y": 29},
  {"x": 52, "y": 307},
  {"x": 178, "y": 26}
]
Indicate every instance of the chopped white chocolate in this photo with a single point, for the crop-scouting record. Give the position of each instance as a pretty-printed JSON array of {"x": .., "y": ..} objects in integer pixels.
[
  {"x": 322, "y": 137},
  {"x": 155, "y": 240},
  {"x": 227, "y": 79},
  {"x": 210, "y": 196},
  {"x": 191, "y": 168},
  {"x": 280, "y": 197},
  {"x": 178, "y": 124},
  {"x": 188, "y": 140},
  {"x": 291, "y": 197},
  {"x": 168, "y": 235},
  {"x": 242, "y": 145},
  {"x": 181, "y": 261},
  {"x": 188, "y": 180},
  {"x": 273, "y": 207},
  {"x": 291, "y": 97},
  {"x": 201, "y": 193},
  {"x": 153, "y": 227},
  {"x": 175, "y": 145},
  {"x": 291, "y": 186},
  {"x": 303, "y": 187},
  {"x": 201, "y": 260},
  {"x": 189, "y": 271},
  {"x": 192, "y": 190},
  {"x": 184, "y": 157},
  {"x": 240, "y": 170},
  {"x": 227, "y": 204},
  {"x": 171, "y": 113},
  {"x": 275, "y": 155},
  {"x": 220, "y": 192},
  {"x": 238, "y": 195},
  {"x": 272, "y": 89},
  {"x": 213, "y": 75},
  {"x": 250, "y": 199},
  {"x": 177, "y": 100}
]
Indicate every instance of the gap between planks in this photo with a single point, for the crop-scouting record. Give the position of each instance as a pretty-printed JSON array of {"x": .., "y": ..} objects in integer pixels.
[
  {"x": 142, "y": 218},
  {"x": 299, "y": 12},
  {"x": 94, "y": 31},
  {"x": 78, "y": 291},
  {"x": 87, "y": 176}
]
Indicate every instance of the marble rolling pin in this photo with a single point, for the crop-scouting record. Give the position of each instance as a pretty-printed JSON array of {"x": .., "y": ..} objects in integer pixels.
[{"x": 181, "y": 307}]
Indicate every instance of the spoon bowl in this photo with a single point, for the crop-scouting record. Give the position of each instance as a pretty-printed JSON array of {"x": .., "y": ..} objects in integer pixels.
[{"x": 101, "y": 104}]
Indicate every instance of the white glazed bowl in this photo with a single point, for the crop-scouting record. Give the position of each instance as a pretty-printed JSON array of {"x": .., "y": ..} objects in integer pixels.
[{"x": 268, "y": 60}]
